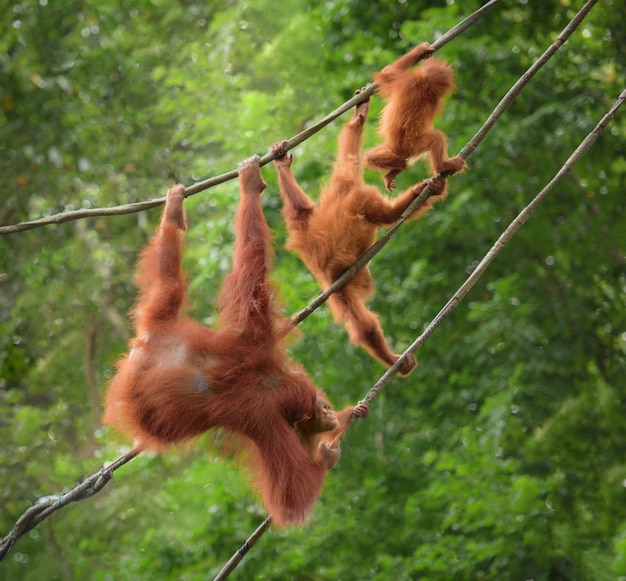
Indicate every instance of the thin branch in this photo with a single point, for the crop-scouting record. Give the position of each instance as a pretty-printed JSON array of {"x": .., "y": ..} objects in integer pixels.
[
  {"x": 471, "y": 146},
  {"x": 504, "y": 238},
  {"x": 267, "y": 158}
]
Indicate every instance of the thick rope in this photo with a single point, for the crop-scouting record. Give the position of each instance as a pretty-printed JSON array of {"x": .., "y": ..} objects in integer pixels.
[{"x": 46, "y": 505}]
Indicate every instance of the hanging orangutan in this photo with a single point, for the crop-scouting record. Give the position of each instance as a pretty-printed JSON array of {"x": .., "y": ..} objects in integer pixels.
[{"x": 180, "y": 378}]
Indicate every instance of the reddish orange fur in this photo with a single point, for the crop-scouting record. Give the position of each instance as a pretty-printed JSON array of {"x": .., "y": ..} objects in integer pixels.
[
  {"x": 414, "y": 99},
  {"x": 179, "y": 378},
  {"x": 331, "y": 235}
]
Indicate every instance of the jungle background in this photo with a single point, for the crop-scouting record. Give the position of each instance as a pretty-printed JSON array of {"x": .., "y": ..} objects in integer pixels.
[{"x": 503, "y": 456}]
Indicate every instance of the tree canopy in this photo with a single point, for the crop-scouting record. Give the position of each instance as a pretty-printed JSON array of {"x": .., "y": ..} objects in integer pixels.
[{"x": 503, "y": 456}]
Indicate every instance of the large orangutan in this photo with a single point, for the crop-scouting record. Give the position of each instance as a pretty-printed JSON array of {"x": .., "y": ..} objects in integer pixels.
[
  {"x": 331, "y": 235},
  {"x": 181, "y": 378},
  {"x": 414, "y": 99}
]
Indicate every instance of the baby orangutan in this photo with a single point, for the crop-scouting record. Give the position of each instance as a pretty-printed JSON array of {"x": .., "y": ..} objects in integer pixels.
[
  {"x": 414, "y": 99},
  {"x": 331, "y": 235},
  {"x": 180, "y": 378},
  {"x": 321, "y": 430}
]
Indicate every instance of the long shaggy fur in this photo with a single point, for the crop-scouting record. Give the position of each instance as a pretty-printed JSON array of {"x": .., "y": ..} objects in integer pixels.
[
  {"x": 180, "y": 379},
  {"x": 414, "y": 99}
]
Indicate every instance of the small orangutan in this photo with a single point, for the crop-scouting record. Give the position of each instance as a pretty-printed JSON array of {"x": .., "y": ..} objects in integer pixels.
[
  {"x": 180, "y": 378},
  {"x": 414, "y": 99},
  {"x": 331, "y": 235}
]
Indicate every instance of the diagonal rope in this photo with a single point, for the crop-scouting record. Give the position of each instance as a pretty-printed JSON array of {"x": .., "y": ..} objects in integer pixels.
[
  {"x": 267, "y": 158},
  {"x": 243, "y": 550}
]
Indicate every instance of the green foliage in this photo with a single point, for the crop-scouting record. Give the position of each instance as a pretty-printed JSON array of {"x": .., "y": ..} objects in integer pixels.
[{"x": 500, "y": 457}]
